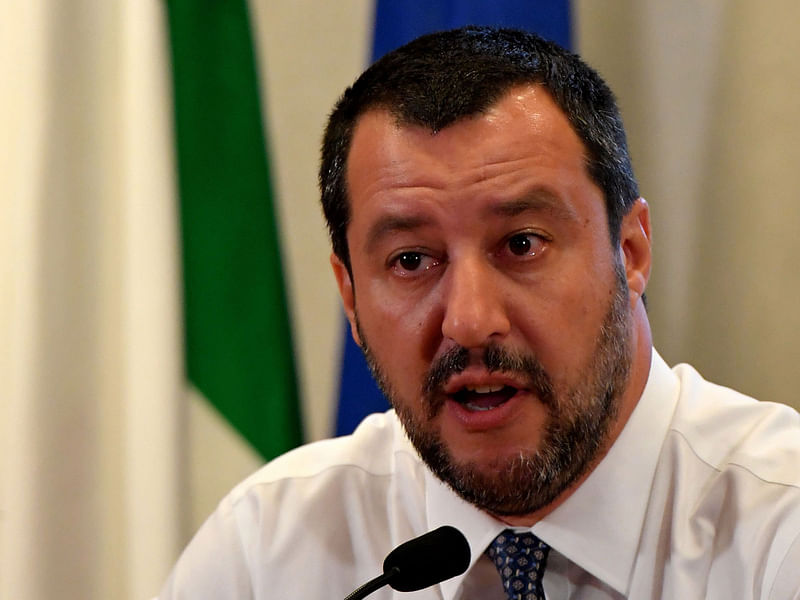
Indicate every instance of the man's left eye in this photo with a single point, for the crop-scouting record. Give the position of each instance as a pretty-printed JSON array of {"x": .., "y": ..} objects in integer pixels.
[{"x": 525, "y": 244}]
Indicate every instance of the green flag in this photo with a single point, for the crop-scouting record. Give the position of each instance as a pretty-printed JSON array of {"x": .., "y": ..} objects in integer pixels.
[{"x": 238, "y": 340}]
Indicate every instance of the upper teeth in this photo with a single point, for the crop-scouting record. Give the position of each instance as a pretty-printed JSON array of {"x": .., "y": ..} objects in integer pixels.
[{"x": 484, "y": 389}]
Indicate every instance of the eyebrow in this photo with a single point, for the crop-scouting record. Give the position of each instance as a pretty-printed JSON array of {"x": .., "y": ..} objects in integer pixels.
[
  {"x": 389, "y": 224},
  {"x": 537, "y": 200}
]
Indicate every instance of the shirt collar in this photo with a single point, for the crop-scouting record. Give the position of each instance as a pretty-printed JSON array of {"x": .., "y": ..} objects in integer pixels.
[
  {"x": 446, "y": 508},
  {"x": 618, "y": 489}
]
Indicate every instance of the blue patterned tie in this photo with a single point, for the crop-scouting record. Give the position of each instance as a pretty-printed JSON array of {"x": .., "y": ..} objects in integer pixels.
[{"x": 520, "y": 559}]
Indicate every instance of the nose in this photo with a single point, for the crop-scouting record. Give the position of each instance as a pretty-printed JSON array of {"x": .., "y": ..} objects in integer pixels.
[{"x": 474, "y": 304}]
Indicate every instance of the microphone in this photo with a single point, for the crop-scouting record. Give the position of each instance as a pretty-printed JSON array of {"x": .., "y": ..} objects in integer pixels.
[{"x": 422, "y": 562}]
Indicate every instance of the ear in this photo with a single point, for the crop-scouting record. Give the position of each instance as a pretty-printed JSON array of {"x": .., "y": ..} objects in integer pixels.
[
  {"x": 635, "y": 246},
  {"x": 346, "y": 292}
]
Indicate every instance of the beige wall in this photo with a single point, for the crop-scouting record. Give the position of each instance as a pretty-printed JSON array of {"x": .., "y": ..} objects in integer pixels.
[{"x": 709, "y": 94}]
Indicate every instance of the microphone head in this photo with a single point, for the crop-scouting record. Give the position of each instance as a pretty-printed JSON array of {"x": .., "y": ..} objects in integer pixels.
[{"x": 427, "y": 560}]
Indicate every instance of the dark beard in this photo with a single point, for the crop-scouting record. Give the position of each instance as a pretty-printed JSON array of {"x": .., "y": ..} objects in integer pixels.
[{"x": 577, "y": 428}]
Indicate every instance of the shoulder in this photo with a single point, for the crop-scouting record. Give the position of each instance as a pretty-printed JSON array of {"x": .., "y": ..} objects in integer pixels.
[
  {"x": 333, "y": 474},
  {"x": 341, "y": 504},
  {"x": 729, "y": 430},
  {"x": 729, "y": 475},
  {"x": 373, "y": 448}
]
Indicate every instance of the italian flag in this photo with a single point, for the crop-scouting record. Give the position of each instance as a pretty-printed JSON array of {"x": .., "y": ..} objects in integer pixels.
[
  {"x": 138, "y": 248},
  {"x": 238, "y": 341}
]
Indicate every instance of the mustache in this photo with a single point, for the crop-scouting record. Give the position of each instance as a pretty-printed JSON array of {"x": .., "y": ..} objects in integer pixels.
[{"x": 496, "y": 359}]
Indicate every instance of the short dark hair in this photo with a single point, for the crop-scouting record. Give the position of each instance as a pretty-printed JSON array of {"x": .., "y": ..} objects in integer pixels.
[{"x": 442, "y": 77}]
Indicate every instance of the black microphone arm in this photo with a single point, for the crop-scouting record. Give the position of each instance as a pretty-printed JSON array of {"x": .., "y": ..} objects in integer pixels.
[{"x": 422, "y": 562}]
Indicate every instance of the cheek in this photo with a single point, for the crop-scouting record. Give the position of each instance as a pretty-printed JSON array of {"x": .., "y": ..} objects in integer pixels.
[
  {"x": 403, "y": 306},
  {"x": 560, "y": 321},
  {"x": 403, "y": 334}
]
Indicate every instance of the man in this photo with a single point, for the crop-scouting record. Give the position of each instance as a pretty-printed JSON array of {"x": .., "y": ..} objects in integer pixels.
[{"x": 492, "y": 252}]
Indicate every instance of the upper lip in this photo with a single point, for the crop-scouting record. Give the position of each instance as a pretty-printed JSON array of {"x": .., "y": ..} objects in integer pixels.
[{"x": 479, "y": 378}]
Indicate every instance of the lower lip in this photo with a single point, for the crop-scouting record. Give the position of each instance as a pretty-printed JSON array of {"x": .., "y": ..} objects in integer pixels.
[{"x": 482, "y": 420}]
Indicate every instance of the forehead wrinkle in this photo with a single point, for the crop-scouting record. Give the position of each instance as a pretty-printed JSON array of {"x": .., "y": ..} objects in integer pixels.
[
  {"x": 389, "y": 224},
  {"x": 539, "y": 200}
]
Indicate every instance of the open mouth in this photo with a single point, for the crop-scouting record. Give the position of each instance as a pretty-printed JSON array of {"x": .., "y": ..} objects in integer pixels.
[{"x": 481, "y": 398}]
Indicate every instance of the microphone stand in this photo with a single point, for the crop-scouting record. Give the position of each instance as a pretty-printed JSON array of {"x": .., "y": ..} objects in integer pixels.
[{"x": 372, "y": 585}]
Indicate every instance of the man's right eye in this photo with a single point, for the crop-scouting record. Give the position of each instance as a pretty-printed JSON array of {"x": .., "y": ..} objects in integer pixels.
[{"x": 410, "y": 263}]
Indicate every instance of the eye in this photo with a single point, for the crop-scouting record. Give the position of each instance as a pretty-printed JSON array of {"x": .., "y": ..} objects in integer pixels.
[
  {"x": 525, "y": 244},
  {"x": 410, "y": 263}
]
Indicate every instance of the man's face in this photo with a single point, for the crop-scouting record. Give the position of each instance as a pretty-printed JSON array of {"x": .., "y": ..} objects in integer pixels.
[{"x": 487, "y": 296}]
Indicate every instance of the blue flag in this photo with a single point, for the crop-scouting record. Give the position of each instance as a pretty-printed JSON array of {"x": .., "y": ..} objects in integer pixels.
[{"x": 398, "y": 22}]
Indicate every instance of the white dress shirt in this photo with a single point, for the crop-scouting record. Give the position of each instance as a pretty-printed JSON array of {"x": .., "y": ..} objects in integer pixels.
[{"x": 699, "y": 497}]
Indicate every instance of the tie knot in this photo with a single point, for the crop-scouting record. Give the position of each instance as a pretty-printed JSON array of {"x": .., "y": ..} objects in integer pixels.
[{"x": 520, "y": 558}]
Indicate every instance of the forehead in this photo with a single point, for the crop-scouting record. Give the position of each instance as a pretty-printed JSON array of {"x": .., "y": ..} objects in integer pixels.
[{"x": 524, "y": 123}]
